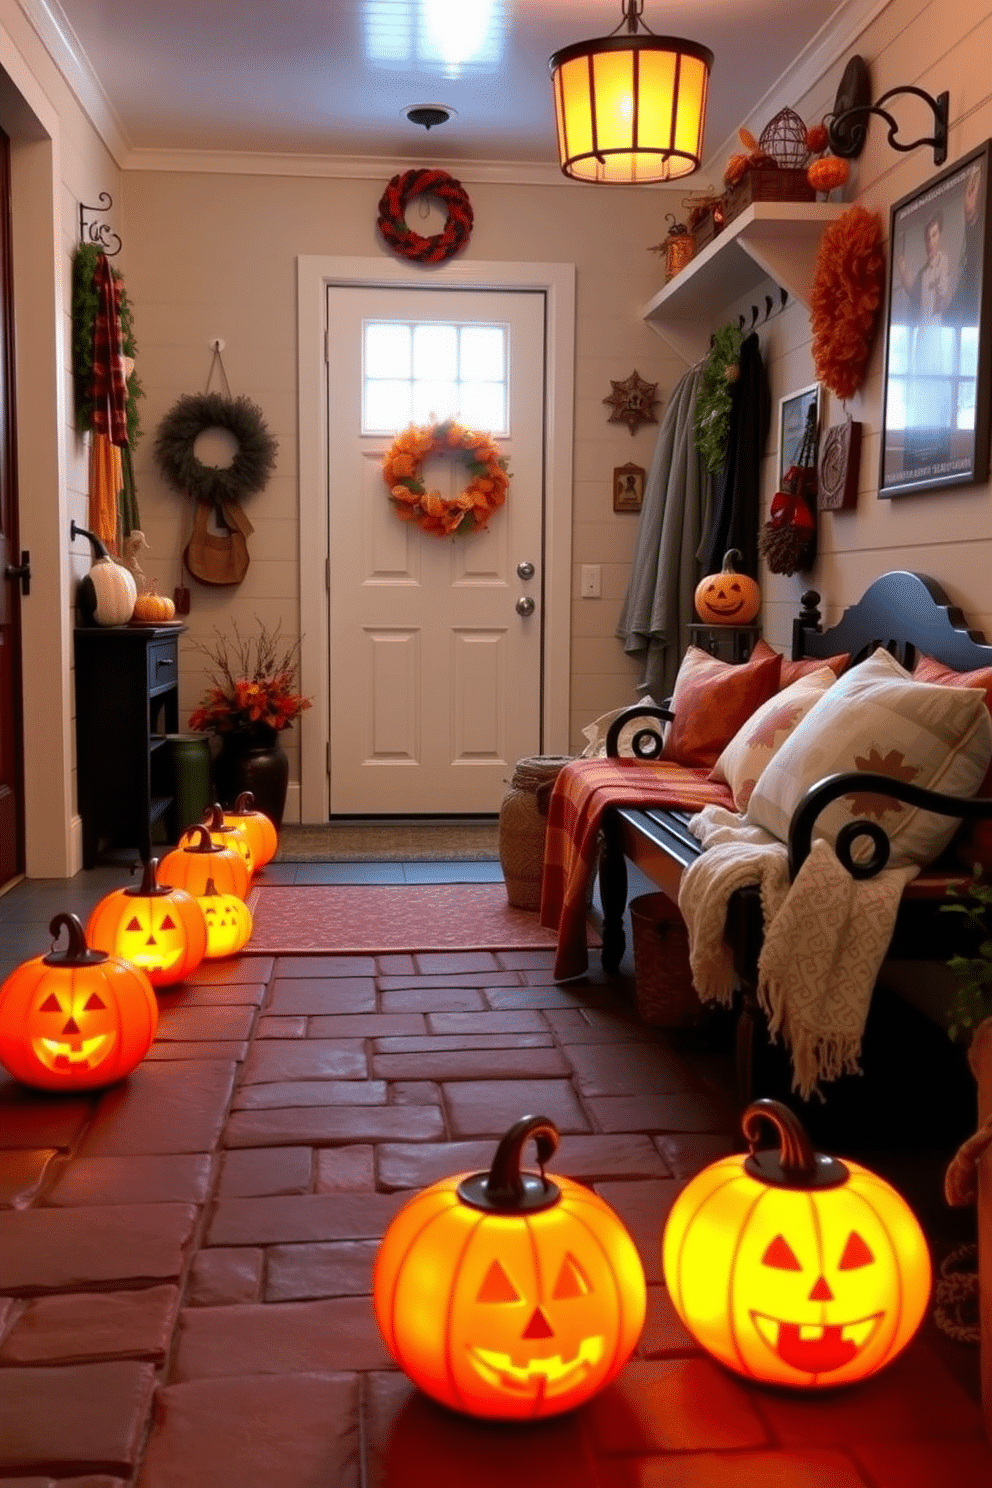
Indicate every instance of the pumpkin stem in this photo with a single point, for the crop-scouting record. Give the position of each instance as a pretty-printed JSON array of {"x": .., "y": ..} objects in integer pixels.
[
  {"x": 77, "y": 952},
  {"x": 730, "y": 559},
  {"x": 213, "y": 817},
  {"x": 245, "y": 802},
  {"x": 99, "y": 548},
  {"x": 203, "y": 841},
  {"x": 795, "y": 1165},
  {"x": 507, "y": 1190}
]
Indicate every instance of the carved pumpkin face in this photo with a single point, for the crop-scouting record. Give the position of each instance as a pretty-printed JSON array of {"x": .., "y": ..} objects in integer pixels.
[
  {"x": 728, "y": 598},
  {"x": 161, "y": 930},
  {"x": 228, "y": 920},
  {"x": 508, "y": 1315},
  {"x": 76, "y": 1019},
  {"x": 797, "y": 1286}
]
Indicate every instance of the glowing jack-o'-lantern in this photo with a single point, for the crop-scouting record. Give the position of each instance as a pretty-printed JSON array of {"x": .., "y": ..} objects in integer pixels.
[
  {"x": 227, "y": 833},
  {"x": 792, "y": 1267},
  {"x": 75, "y": 1019},
  {"x": 228, "y": 920},
  {"x": 729, "y": 597},
  {"x": 191, "y": 865},
  {"x": 158, "y": 928},
  {"x": 258, "y": 828},
  {"x": 504, "y": 1294}
]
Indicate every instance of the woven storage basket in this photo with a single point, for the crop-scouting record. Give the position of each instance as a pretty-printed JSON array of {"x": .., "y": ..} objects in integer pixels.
[
  {"x": 523, "y": 822},
  {"x": 776, "y": 183},
  {"x": 662, "y": 978}
]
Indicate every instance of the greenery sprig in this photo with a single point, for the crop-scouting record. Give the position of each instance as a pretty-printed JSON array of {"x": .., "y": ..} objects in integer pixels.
[
  {"x": 973, "y": 996},
  {"x": 714, "y": 398}
]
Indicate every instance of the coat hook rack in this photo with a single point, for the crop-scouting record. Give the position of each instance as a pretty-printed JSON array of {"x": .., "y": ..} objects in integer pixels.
[
  {"x": 99, "y": 232},
  {"x": 758, "y": 317}
]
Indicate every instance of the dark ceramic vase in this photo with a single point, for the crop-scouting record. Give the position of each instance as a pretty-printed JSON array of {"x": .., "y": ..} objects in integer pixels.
[{"x": 253, "y": 760}]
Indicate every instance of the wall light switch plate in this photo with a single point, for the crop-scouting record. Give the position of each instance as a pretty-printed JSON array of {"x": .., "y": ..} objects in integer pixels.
[{"x": 591, "y": 580}]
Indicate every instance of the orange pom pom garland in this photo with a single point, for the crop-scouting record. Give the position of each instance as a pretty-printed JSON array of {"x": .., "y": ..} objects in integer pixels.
[
  {"x": 471, "y": 509},
  {"x": 848, "y": 283}
]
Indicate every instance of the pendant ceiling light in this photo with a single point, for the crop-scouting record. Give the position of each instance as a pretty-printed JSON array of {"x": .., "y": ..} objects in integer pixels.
[{"x": 631, "y": 108}]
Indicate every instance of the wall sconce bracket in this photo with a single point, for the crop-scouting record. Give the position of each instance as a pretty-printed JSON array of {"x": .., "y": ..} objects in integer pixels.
[{"x": 847, "y": 126}]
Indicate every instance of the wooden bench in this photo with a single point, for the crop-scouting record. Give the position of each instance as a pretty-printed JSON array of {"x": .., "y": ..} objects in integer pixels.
[{"x": 908, "y": 614}]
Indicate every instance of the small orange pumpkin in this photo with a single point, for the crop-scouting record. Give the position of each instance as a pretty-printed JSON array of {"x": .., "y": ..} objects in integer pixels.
[
  {"x": 507, "y": 1295},
  {"x": 729, "y": 597},
  {"x": 75, "y": 1019},
  {"x": 792, "y": 1267},
  {"x": 227, "y": 833},
  {"x": 228, "y": 920},
  {"x": 153, "y": 606},
  {"x": 189, "y": 867},
  {"x": 259, "y": 828},
  {"x": 158, "y": 928}
]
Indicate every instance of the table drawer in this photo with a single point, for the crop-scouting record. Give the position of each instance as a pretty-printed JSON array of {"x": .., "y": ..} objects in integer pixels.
[{"x": 163, "y": 663}]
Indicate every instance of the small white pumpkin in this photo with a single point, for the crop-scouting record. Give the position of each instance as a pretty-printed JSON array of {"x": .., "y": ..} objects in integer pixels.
[{"x": 108, "y": 592}]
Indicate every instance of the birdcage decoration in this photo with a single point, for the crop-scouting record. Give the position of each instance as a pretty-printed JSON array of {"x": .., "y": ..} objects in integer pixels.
[{"x": 784, "y": 139}]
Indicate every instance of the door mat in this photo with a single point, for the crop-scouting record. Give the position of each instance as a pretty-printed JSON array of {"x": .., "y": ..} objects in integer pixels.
[
  {"x": 360, "y": 919},
  {"x": 475, "y": 841}
]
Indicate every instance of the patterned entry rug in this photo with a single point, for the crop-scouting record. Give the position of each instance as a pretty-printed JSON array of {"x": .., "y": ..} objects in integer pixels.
[
  {"x": 303, "y": 919},
  {"x": 473, "y": 840}
]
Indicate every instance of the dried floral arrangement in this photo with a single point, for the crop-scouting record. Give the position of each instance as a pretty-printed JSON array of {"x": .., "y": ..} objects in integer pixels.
[{"x": 254, "y": 683}]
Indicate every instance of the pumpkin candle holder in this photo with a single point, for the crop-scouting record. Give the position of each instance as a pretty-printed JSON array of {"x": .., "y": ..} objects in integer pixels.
[
  {"x": 228, "y": 919},
  {"x": 795, "y": 1268},
  {"x": 729, "y": 597},
  {"x": 154, "y": 926},
  {"x": 76, "y": 1019},
  {"x": 508, "y": 1295},
  {"x": 228, "y": 833},
  {"x": 200, "y": 859},
  {"x": 258, "y": 828}
]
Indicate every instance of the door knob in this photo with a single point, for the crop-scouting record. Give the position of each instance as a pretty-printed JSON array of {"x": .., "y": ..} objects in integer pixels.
[
  {"x": 21, "y": 571},
  {"x": 525, "y": 605},
  {"x": 525, "y": 570}
]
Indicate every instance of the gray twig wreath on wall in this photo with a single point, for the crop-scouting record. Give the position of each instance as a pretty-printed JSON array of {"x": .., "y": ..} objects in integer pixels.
[{"x": 178, "y": 432}]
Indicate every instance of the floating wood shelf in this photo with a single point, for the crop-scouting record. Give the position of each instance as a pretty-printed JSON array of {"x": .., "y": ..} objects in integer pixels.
[{"x": 769, "y": 240}]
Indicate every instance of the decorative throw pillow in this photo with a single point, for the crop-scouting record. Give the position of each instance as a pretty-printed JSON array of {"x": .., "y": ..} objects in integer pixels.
[
  {"x": 753, "y": 745},
  {"x": 793, "y": 670},
  {"x": 975, "y": 843},
  {"x": 711, "y": 700},
  {"x": 595, "y": 733},
  {"x": 877, "y": 718}
]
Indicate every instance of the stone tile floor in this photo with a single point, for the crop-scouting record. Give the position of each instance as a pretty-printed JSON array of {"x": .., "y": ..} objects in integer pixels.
[{"x": 185, "y": 1259}]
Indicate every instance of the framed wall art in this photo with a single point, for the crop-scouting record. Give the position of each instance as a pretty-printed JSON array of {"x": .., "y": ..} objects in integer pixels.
[
  {"x": 793, "y": 412},
  {"x": 935, "y": 413},
  {"x": 628, "y": 488}
]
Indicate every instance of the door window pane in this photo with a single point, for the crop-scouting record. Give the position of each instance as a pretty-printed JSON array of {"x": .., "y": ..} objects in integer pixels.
[{"x": 418, "y": 371}]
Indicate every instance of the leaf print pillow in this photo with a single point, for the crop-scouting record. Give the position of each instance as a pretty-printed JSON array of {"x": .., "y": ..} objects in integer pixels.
[{"x": 764, "y": 733}]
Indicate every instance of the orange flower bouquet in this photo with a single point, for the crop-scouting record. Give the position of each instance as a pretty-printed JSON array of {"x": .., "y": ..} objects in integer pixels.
[{"x": 254, "y": 685}]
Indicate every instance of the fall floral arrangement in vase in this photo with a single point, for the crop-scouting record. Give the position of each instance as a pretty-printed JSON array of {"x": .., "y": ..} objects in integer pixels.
[{"x": 253, "y": 697}]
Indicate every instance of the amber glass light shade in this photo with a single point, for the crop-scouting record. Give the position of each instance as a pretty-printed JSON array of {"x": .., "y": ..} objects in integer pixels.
[
  {"x": 795, "y": 1269},
  {"x": 631, "y": 109}
]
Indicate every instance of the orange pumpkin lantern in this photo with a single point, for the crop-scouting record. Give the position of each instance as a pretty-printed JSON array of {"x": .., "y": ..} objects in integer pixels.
[
  {"x": 228, "y": 920},
  {"x": 507, "y": 1295},
  {"x": 158, "y": 928},
  {"x": 190, "y": 866},
  {"x": 75, "y": 1019},
  {"x": 729, "y": 597},
  {"x": 227, "y": 833},
  {"x": 258, "y": 827},
  {"x": 792, "y": 1267}
]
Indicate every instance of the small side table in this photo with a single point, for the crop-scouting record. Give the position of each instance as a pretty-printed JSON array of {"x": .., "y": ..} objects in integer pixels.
[{"x": 728, "y": 642}]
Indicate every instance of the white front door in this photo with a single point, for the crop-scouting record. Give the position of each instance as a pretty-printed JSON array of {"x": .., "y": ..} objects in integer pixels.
[{"x": 435, "y": 673}]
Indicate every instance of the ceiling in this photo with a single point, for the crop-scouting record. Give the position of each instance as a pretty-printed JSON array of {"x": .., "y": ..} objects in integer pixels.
[{"x": 333, "y": 77}]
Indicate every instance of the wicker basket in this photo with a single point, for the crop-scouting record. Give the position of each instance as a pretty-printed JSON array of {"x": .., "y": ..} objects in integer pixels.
[
  {"x": 774, "y": 183},
  {"x": 523, "y": 821},
  {"x": 662, "y": 978}
]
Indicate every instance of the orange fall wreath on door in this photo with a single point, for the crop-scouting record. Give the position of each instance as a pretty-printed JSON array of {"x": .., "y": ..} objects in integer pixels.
[{"x": 471, "y": 509}]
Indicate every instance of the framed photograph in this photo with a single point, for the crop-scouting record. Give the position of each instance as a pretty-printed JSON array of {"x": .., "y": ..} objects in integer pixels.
[
  {"x": 935, "y": 411},
  {"x": 628, "y": 488},
  {"x": 792, "y": 415}
]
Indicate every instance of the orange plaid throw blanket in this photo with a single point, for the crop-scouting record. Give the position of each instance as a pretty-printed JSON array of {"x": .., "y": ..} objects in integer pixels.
[{"x": 582, "y": 792}]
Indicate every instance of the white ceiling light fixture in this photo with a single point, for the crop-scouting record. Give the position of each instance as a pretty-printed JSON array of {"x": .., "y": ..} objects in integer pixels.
[{"x": 631, "y": 109}]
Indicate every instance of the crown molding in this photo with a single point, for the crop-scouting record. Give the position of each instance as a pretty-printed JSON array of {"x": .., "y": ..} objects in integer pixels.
[
  {"x": 344, "y": 167},
  {"x": 53, "y": 30}
]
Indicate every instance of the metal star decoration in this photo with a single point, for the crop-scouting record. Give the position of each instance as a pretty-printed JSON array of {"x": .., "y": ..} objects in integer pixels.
[{"x": 634, "y": 402}]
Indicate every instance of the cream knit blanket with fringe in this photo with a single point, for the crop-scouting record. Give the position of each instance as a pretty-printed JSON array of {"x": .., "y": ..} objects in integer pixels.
[{"x": 825, "y": 939}]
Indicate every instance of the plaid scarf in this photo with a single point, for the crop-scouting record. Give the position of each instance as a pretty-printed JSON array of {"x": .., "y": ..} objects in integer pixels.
[{"x": 108, "y": 381}]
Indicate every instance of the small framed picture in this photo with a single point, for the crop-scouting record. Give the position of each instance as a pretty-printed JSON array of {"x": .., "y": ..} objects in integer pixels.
[
  {"x": 793, "y": 413},
  {"x": 628, "y": 488},
  {"x": 938, "y": 339}
]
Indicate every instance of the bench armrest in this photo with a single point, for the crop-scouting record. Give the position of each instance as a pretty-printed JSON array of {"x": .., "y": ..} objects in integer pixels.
[
  {"x": 647, "y": 742},
  {"x": 863, "y": 782}
]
